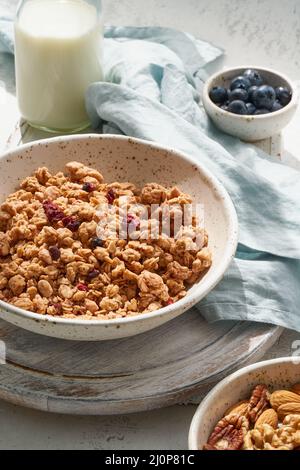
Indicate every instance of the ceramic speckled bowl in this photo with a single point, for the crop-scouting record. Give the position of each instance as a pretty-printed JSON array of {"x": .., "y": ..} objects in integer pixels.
[
  {"x": 250, "y": 128},
  {"x": 276, "y": 374},
  {"x": 125, "y": 159}
]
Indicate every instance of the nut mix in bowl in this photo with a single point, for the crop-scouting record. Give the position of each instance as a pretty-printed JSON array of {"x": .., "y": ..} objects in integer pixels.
[
  {"x": 55, "y": 259},
  {"x": 266, "y": 421}
]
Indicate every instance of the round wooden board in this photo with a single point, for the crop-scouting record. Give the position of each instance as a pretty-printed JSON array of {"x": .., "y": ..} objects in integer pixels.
[{"x": 160, "y": 368}]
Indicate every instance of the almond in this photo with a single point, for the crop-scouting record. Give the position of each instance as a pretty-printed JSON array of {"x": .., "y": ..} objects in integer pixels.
[
  {"x": 269, "y": 417},
  {"x": 296, "y": 389},
  {"x": 281, "y": 397},
  {"x": 288, "y": 409},
  {"x": 239, "y": 408}
]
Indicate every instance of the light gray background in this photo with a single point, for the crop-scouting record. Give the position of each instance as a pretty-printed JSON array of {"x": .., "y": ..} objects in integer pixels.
[{"x": 262, "y": 32}]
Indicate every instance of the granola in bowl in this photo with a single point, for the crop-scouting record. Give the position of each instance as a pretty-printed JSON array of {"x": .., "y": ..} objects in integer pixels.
[{"x": 55, "y": 261}]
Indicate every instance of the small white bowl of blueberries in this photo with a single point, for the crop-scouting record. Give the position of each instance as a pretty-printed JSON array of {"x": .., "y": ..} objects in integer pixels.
[{"x": 251, "y": 103}]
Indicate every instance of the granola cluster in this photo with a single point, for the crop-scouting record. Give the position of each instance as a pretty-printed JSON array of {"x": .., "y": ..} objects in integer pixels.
[
  {"x": 264, "y": 422},
  {"x": 53, "y": 261}
]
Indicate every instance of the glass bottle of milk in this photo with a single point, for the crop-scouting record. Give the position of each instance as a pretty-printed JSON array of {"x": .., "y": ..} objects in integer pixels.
[{"x": 58, "y": 50}]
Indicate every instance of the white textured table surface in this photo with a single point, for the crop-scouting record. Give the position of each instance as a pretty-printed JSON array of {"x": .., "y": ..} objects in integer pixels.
[{"x": 268, "y": 33}]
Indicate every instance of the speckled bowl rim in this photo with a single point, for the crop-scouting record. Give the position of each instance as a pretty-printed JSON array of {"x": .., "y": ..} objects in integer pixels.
[
  {"x": 292, "y": 103},
  {"x": 204, "y": 287},
  {"x": 215, "y": 392}
]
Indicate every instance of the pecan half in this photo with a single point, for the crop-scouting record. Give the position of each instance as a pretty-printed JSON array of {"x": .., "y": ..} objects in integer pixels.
[
  {"x": 259, "y": 402},
  {"x": 229, "y": 433}
]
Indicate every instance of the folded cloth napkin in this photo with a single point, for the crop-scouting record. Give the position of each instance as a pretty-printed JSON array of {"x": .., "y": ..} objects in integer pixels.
[{"x": 154, "y": 76}]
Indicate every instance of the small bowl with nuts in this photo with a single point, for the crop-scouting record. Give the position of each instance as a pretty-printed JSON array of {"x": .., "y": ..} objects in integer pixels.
[{"x": 256, "y": 408}]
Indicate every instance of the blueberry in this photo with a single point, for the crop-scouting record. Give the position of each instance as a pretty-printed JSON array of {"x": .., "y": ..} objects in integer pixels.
[
  {"x": 96, "y": 242},
  {"x": 251, "y": 108},
  {"x": 254, "y": 77},
  {"x": 238, "y": 94},
  {"x": 54, "y": 252},
  {"x": 238, "y": 107},
  {"x": 93, "y": 274},
  {"x": 251, "y": 91},
  {"x": 240, "y": 82},
  {"x": 283, "y": 95},
  {"x": 71, "y": 223},
  {"x": 218, "y": 95},
  {"x": 262, "y": 111},
  {"x": 276, "y": 107},
  {"x": 111, "y": 196},
  {"x": 264, "y": 97},
  {"x": 88, "y": 187}
]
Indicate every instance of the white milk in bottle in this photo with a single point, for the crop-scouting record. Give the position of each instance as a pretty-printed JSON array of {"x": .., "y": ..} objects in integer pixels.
[{"x": 58, "y": 55}]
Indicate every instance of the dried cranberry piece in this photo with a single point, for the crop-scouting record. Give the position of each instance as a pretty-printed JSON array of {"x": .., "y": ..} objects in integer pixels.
[
  {"x": 131, "y": 219},
  {"x": 58, "y": 308},
  {"x": 96, "y": 242},
  {"x": 89, "y": 187},
  {"x": 93, "y": 274},
  {"x": 82, "y": 287},
  {"x": 54, "y": 253},
  {"x": 170, "y": 302},
  {"x": 71, "y": 223},
  {"x": 111, "y": 196},
  {"x": 52, "y": 211}
]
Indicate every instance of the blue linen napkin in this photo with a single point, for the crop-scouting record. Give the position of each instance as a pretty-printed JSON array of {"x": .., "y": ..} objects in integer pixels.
[{"x": 154, "y": 78}]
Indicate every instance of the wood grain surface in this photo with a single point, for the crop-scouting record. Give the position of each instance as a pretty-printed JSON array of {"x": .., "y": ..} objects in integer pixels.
[{"x": 156, "y": 369}]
